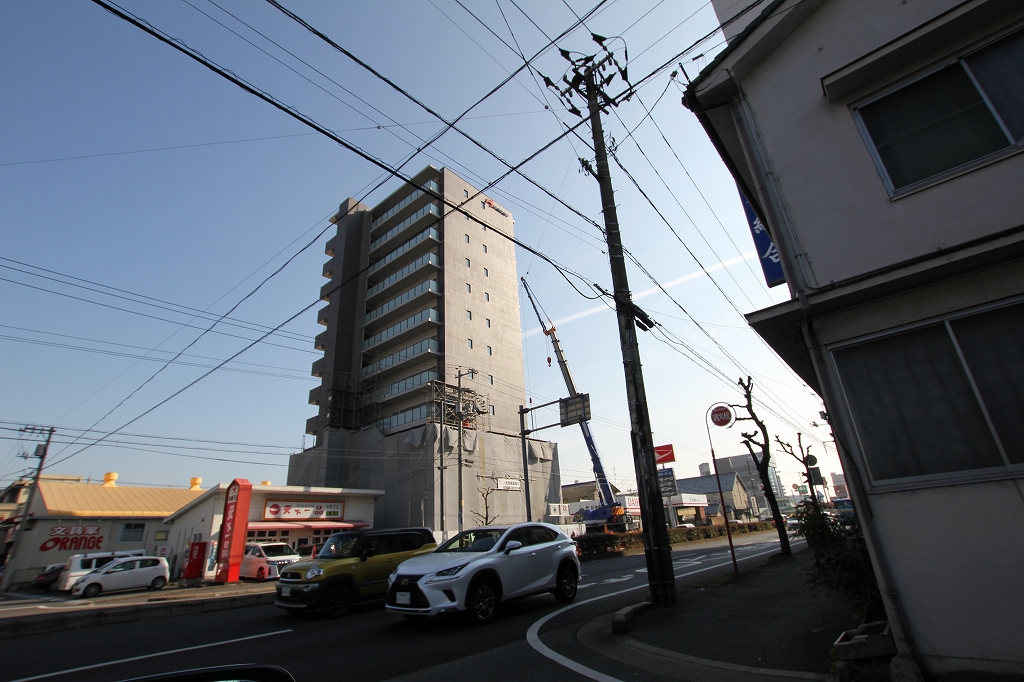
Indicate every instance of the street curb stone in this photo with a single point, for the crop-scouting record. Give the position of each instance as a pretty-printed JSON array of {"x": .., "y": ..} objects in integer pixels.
[
  {"x": 621, "y": 618},
  {"x": 24, "y": 626}
]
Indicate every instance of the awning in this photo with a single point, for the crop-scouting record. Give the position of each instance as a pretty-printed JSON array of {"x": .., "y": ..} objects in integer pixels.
[{"x": 303, "y": 525}]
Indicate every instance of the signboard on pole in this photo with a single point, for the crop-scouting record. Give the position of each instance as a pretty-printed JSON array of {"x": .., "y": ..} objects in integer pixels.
[
  {"x": 508, "y": 484},
  {"x": 771, "y": 263},
  {"x": 232, "y": 530},
  {"x": 667, "y": 482},
  {"x": 574, "y": 410},
  {"x": 721, "y": 416},
  {"x": 663, "y": 454}
]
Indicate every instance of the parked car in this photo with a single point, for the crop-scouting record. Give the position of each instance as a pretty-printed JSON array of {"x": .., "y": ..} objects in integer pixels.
[
  {"x": 266, "y": 560},
  {"x": 478, "y": 569},
  {"x": 792, "y": 524},
  {"x": 352, "y": 566},
  {"x": 78, "y": 565},
  {"x": 48, "y": 577},
  {"x": 132, "y": 573},
  {"x": 686, "y": 525}
]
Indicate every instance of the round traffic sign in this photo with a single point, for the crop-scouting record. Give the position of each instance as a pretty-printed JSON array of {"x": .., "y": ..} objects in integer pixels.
[
  {"x": 810, "y": 460},
  {"x": 796, "y": 487},
  {"x": 721, "y": 416}
]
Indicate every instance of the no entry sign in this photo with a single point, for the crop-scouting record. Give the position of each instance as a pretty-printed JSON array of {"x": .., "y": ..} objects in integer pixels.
[{"x": 721, "y": 416}]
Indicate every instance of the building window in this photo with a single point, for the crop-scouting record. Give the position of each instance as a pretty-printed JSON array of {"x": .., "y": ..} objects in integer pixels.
[
  {"x": 467, "y": 263},
  {"x": 469, "y": 314},
  {"x": 490, "y": 379},
  {"x": 466, "y": 237},
  {"x": 483, "y": 203},
  {"x": 472, "y": 374},
  {"x": 939, "y": 400},
  {"x": 469, "y": 288},
  {"x": 131, "y": 532},
  {"x": 465, "y": 194},
  {"x": 485, "y": 248},
  {"x": 491, "y": 409},
  {"x": 487, "y": 296},
  {"x": 489, "y": 350},
  {"x": 953, "y": 117},
  {"x": 487, "y": 273},
  {"x": 487, "y": 321},
  {"x": 469, "y": 343},
  {"x": 160, "y": 535},
  {"x": 467, "y": 215}
]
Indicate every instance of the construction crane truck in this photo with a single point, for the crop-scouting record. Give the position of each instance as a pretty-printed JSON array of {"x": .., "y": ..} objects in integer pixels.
[{"x": 609, "y": 516}]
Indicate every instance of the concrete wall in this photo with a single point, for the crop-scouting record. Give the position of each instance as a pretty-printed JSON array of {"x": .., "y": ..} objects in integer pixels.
[{"x": 844, "y": 219}]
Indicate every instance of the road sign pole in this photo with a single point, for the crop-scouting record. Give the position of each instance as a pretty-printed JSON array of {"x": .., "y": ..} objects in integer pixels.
[
  {"x": 721, "y": 497},
  {"x": 526, "y": 460}
]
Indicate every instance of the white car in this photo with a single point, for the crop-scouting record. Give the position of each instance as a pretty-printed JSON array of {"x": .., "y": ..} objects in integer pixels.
[
  {"x": 80, "y": 564},
  {"x": 150, "y": 572},
  {"x": 477, "y": 569},
  {"x": 266, "y": 560}
]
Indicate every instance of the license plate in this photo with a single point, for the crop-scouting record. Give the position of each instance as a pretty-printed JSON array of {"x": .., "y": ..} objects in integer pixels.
[
  {"x": 286, "y": 590},
  {"x": 402, "y": 598}
]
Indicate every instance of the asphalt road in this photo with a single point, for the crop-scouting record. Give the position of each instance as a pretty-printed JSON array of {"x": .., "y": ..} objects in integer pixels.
[{"x": 369, "y": 644}]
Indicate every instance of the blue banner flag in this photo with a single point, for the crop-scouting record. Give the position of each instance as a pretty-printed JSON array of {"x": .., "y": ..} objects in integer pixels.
[{"x": 771, "y": 264}]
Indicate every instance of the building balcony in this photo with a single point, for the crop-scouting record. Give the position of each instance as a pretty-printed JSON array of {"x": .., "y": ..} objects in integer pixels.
[
  {"x": 325, "y": 291},
  {"x": 329, "y": 249},
  {"x": 395, "y": 361},
  {"x": 412, "y": 248},
  {"x": 312, "y": 425},
  {"x": 402, "y": 389},
  {"x": 407, "y": 203},
  {"x": 322, "y": 317},
  {"x": 428, "y": 214},
  {"x": 314, "y": 396},
  {"x": 400, "y": 305},
  {"x": 320, "y": 342},
  {"x": 386, "y": 287},
  {"x": 403, "y": 331},
  {"x": 318, "y": 368},
  {"x": 329, "y": 269},
  {"x": 406, "y": 418}
]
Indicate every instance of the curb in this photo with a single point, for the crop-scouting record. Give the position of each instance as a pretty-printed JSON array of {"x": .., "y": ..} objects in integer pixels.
[
  {"x": 24, "y": 626},
  {"x": 621, "y": 618}
]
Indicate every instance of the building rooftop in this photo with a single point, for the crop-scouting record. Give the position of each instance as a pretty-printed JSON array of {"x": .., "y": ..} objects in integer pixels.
[
  {"x": 706, "y": 485},
  {"x": 62, "y": 499}
]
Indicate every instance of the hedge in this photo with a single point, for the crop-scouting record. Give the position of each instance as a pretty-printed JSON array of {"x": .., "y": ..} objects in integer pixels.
[{"x": 600, "y": 543}]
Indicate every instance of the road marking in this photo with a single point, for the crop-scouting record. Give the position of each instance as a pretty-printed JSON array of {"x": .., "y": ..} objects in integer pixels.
[
  {"x": 617, "y": 580},
  {"x": 139, "y": 658},
  {"x": 583, "y": 587},
  {"x": 533, "y": 634}
]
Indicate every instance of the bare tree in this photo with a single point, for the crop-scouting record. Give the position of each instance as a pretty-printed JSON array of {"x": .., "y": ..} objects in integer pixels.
[
  {"x": 751, "y": 442},
  {"x": 486, "y": 519},
  {"x": 803, "y": 458}
]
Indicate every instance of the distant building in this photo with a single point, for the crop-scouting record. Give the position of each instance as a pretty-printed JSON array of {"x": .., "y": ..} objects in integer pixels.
[
  {"x": 839, "y": 488},
  {"x": 585, "y": 491},
  {"x": 744, "y": 466},
  {"x": 738, "y": 504}
]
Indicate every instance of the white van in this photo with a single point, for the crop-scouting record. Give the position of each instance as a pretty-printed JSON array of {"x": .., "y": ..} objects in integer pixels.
[
  {"x": 266, "y": 560},
  {"x": 150, "y": 572},
  {"x": 80, "y": 564}
]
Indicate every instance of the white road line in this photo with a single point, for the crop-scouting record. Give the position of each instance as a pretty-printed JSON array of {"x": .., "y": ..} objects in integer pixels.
[
  {"x": 139, "y": 658},
  {"x": 533, "y": 634}
]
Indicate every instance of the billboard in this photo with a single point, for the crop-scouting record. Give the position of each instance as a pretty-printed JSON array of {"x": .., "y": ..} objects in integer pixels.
[
  {"x": 295, "y": 510},
  {"x": 667, "y": 482}
]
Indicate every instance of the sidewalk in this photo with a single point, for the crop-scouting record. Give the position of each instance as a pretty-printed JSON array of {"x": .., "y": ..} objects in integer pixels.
[{"x": 764, "y": 624}]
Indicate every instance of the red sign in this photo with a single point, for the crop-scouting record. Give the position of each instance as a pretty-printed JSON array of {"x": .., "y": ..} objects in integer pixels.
[
  {"x": 72, "y": 542},
  {"x": 196, "y": 561},
  {"x": 231, "y": 546},
  {"x": 721, "y": 416},
  {"x": 663, "y": 454}
]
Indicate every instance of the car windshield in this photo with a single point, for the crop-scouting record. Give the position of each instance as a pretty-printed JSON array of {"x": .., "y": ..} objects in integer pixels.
[
  {"x": 278, "y": 550},
  {"x": 479, "y": 540},
  {"x": 339, "y": 546}
]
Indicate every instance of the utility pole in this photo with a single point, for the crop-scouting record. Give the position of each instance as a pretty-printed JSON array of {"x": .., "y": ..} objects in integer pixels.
[
  {"x": 460, "y": 414},
  {"x": 41, "y": 451},
  {"x": 587, "y": 72}
]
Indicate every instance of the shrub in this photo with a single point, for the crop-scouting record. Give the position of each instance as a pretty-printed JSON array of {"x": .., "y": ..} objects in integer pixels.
[{"x": 841, "y": 560}]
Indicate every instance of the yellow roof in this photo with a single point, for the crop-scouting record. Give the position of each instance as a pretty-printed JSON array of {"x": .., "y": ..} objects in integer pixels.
[{"x": 84, "y": 499}]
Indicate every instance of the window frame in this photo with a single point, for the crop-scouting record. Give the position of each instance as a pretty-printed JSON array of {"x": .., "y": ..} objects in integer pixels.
[
  {"x": 1015, "y": 147},
  {"x": 1009, "y": 470},
  {"x": 125, "y": 527}
]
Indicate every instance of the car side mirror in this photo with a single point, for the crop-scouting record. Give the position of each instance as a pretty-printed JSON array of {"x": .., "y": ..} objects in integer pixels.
[{"x": 512, "y": 545}]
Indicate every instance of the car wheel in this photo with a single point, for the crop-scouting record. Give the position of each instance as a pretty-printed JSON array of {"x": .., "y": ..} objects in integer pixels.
[
  {"x": 158, "y": 582},
  {"x": 91, "y": 590},
  {"x": 261, "y": 575},
  {"x": 482, "y": 601},
  {"x": 565, "y": 586},
  {"x": 337, "y": 601}
]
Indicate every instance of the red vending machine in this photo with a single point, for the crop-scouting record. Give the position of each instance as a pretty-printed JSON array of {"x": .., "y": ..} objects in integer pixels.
[{"x": 195, "y": 565}]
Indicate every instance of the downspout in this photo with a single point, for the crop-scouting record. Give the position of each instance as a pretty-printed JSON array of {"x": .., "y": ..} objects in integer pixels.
[{"x": 902, "y": 636}]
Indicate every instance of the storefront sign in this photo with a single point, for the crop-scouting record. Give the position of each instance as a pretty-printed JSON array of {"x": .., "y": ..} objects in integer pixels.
[
  {"x": 232, "y": 530},
  {"x": 73, "y": 537},
  {"x": 292, "y": 510},
  {"x": 771, "y": 263},
  {"x": 667, "y": 482},
  {"x": 631, "y": 503},
  {"x": 508, "y": 484}
]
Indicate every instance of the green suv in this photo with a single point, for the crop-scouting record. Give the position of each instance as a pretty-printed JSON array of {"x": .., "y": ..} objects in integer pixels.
[{"x": 352, "y": 566}]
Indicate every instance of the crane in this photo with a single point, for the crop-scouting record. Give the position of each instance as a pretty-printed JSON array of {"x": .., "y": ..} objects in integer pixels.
[{"x": 609, "y": 515}]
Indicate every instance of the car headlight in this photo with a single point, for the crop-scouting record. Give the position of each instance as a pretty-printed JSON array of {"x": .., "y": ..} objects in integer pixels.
[
  {"x": 453, "y": 570},
  {"x": 314, "y": 572}
]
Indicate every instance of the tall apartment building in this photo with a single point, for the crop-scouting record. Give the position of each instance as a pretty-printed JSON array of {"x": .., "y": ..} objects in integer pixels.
[{"x": 418, "y": 293}]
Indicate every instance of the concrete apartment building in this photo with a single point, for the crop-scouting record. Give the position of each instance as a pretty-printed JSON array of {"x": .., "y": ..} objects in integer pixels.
[
  {"x": 878, "y": 142},
  {"x": 744, "y": 467},
  {"x": 420, "y": 290}
]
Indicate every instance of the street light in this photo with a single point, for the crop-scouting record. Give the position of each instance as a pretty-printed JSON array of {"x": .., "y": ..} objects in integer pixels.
[{"x": 721, "y": 415}]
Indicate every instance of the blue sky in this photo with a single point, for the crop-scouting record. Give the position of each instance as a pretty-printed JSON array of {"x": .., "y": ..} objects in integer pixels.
[{"x": 192, "y": 191}]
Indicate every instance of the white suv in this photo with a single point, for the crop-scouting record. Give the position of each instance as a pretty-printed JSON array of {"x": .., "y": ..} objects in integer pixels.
[
  {"x": 479, "y": 568},
  {"x": 264, "y": 560}
]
